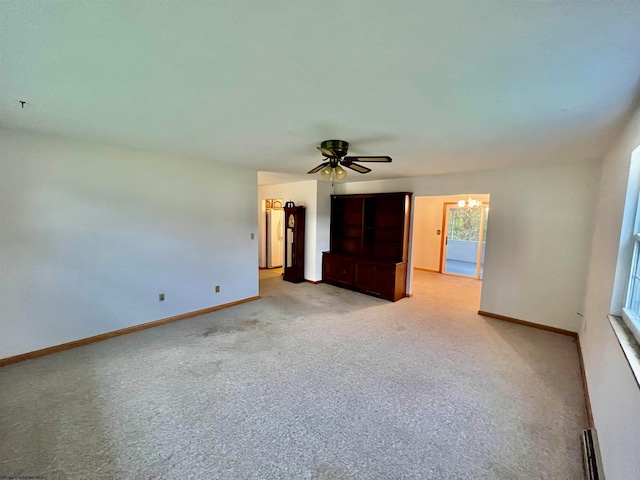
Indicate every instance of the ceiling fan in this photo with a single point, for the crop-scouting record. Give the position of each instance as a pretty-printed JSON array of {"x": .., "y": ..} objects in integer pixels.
[{"x": 334, "y": 152}]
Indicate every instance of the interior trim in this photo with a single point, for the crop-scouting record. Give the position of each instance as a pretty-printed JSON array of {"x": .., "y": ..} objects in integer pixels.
[
  {"x": 443, "y": 235},
  {"x": 585, "y": 386},
  {"x": 528, "y": 324},
  {"x": 426, "y": 269},
  {"x": 116, "y": 333}
]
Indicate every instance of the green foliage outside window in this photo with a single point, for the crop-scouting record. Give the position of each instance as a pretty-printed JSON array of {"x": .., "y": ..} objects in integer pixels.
[{"x": 464, "y": 224}]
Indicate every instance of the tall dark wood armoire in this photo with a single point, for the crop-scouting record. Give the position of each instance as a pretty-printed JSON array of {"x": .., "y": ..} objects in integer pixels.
[
  {"x": 369, "y": 244},
  {"x": 294, "y": 220}
]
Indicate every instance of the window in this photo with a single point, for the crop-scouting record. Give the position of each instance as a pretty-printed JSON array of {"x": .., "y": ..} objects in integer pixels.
[
  {"x": 626, "y": 288},
  {"x": 629, "y": 337},
  {"x": 631, "y": 308}
]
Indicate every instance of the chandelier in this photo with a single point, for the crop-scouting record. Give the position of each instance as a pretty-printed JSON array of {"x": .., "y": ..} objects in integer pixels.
[{"x": 470, "y": 204}]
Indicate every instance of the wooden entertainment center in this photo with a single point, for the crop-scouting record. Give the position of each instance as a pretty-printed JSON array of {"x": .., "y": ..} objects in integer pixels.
[{"x": 369, "y": 244}]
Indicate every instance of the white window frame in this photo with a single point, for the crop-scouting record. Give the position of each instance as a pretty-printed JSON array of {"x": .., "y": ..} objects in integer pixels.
[{"x": 631, "y": 318}]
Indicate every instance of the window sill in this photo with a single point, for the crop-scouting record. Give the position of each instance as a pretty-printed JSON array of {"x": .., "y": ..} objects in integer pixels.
[{"x": 629, "y": 344}]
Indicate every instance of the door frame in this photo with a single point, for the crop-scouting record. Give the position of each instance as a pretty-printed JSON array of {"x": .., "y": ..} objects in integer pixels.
[{"x": 446, "y": 206}]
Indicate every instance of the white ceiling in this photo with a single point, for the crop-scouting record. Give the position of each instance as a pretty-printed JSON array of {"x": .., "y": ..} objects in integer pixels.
[{"x": 440, "y": 86}]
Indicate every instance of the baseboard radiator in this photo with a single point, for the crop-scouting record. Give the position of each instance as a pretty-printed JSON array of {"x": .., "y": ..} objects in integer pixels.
[{"x": 591, "y": 455}]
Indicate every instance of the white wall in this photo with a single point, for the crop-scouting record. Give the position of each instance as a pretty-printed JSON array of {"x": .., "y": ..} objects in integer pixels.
[
  {"x": 91, "y": 234},
  {"x": 538, "y": 237},
  {"x": 323, "y": 228},
  {"x": 315, "y": 196},
  {"x": 614, "y": 394}
]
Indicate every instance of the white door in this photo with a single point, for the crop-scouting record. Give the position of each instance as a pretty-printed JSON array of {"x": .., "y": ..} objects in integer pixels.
[{"x": 275, "y": 236}]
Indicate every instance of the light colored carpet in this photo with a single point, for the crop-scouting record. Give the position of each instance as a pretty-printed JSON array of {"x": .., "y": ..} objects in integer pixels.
[{"x": 311, "y": 381}]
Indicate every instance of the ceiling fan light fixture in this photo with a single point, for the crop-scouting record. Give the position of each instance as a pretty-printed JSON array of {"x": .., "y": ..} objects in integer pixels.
[
  {"x": 327, "y": 172},
  {"x": 340, "y": 172}
]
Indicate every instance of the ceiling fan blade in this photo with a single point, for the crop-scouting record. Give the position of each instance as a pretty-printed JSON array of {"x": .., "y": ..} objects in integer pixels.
[
  {"x": 318, "y": 168},
  {"x": 357, "y": 168},
  {"x": 383, "y": 159},
  {"x": 327, "y": 152}
]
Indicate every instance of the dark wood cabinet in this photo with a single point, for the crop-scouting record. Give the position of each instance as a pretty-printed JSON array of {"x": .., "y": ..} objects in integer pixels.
[
  {"x": 369, "y": 244},
  {"x": 376, "y": 279},
  {"x": 337, "y": 269},
  {"x": 294, "y": 220}
]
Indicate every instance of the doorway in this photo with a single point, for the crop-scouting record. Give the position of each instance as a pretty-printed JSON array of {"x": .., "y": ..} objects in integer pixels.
[
  {"x": 448, "y": 245},
  {"x": 464, "y": 229},
  {"x": 272, "y": 237}
]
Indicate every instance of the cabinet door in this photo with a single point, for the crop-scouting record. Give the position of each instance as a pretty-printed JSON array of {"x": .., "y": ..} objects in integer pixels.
[
  {"x": 365, "y": 278},
  {"x": 336, "y": 269},
  {"x": 378, "y": 280},
  {"x": 386, "y": 281}
]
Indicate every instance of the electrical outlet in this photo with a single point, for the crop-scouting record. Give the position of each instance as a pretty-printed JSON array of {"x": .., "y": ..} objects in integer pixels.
[
  {"x": 253, "y": 236},
  {"x": 217, "y": 288},
  {"x": 161, "y": 297}
]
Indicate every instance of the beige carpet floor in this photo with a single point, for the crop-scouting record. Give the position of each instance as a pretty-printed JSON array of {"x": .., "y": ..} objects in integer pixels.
[{"x": 311, "y": 382}]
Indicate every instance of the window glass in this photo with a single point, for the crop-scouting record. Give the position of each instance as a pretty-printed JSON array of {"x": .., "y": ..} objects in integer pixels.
[{"x": 633, "y": 301}]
